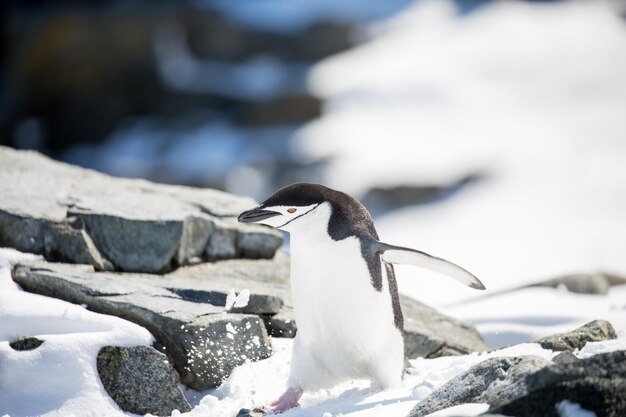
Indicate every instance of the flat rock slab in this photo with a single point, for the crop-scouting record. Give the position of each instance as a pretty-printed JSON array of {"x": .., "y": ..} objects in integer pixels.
[
  {"x": 140, "y": 380},
  {"x": 186, "y": 314},
  {"x": 593, "y": 331},
  {"x": 75, "y": 215}
]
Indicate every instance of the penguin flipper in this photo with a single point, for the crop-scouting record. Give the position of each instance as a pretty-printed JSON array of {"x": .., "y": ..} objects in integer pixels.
[{"x": 399, "y": 255}]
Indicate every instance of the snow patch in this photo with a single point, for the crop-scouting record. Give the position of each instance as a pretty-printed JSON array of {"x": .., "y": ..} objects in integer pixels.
[
  {"x": 59, "y": 377},
  {"x": 569, "y": 409},
  {"x": 237, "y": 300}
]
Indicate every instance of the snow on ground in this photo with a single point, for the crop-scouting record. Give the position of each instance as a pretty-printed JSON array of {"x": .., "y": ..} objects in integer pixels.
[
  {"x": 60, "y": 377},
  {"x": 531, "y": 313}
]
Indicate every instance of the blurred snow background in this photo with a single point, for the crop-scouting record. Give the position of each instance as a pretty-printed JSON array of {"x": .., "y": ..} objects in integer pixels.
[{"x": 531, "y": 97}]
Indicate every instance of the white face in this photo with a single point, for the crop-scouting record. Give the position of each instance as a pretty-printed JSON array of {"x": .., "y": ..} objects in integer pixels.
[{"x": 288, "y": 218}]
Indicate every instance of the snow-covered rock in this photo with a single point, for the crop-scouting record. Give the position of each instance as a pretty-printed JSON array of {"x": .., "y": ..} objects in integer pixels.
[
  {"x": 140, "y": 380},
  {"x": 597, "y": 384},
  {"x": 494, "y": 381},
  {"x": 75, "y": 215},
  {"x": 527, "y": 386}
]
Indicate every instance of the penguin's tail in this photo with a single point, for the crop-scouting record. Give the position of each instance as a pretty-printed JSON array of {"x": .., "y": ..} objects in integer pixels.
[{"x": 399, "y": 255}]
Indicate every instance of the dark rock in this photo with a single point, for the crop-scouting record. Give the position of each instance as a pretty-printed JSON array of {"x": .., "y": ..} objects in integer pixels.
[
  {"x": 75, "y": 215},
  {"x": 65, "y": 243},
  {"x": 282, "y": 324},
  {"x": 25, "y": 343},
  {"x": 594, "y": 331},
  {"x": 597, "y": 383},
  {"x": 256, "y": 412},
  {"x": 203, "y": 341},
  {"x": 222, "y": 245},
  {"x": 257, "y": 304},
  {"x": 256, "y": 244},
  {"x": 323, "y": 39},
  {"x": 493, "y": 381},
  {"x": 140, "y": 380},
  {"x": 281, "y": 110},
  {"x": 430, "y": 334},
  {"x": 116, "y": 71},
  {"x": 597, "y": 283},
  {"x": 382, "y": 199}
]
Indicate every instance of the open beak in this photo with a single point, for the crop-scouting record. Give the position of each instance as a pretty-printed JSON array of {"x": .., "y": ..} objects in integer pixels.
[{"x": 256, "y": 215}]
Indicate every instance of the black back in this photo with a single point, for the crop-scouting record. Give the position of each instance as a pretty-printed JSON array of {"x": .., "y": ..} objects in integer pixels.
[{"x": 348, "y": 218}]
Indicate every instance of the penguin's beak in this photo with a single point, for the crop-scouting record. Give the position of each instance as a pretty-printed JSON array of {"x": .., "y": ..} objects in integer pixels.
[{"x": 256, "y": 215}]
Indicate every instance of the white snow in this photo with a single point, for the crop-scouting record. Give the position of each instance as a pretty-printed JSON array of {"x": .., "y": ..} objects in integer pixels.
[
  {"x": 59, "y": 378},
  {"x": 461, "y": 410},
  {"x": 230, "y": 328},
  {"x": 242, "y": 298},
  {"x": 237, "y": 300}
]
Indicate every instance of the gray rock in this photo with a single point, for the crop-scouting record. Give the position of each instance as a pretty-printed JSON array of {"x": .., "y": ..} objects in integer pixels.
[
  {"x": 494, "y": 381},
  {"x": 282, "y": 324},
  {"x": 597, "y": 383},
  {"x": 430, "y": 334},
  {"x": 71, "y": 214},
  {"x": 385, "y": 198},
  {"x": 25, "y": 343},
  {"x": 66, "y": 243},
  {"x": 140, "y": 380},
  {"x": 203, "y": 341},
  {"x": 565, "y": 357},
  {"x": 596, "y": 283},
  {"x": 222, "y": 245},
  {"x": 256, "y": 412},
  {"x": 255, "y": 244},
  {"x": 593, "y": 331}
]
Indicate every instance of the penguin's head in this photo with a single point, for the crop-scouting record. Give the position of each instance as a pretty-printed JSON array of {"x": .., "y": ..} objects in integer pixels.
[{"x": 292, "y": 206}]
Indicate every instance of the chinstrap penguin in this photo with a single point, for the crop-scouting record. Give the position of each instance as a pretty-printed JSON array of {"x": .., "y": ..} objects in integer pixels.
[{"x": 344, "y": 290}]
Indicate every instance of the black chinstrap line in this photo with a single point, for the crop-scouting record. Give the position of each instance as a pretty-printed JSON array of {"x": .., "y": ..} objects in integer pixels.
[{"x": 297, "y": 217}]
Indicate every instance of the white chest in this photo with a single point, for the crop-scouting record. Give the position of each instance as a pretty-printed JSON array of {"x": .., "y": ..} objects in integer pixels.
[{"x": 334, "y": 300}]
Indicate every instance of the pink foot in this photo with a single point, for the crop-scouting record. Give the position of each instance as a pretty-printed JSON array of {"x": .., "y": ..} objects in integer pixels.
[{"x": 287, "y": 401}]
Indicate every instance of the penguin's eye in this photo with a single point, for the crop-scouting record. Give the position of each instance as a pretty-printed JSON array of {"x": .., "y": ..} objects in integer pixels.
[{"x": 291, "y": 210}]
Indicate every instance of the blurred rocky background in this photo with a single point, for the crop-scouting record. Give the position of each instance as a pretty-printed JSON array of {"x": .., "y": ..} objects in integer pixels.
[{"x": 204, "y": 93}]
